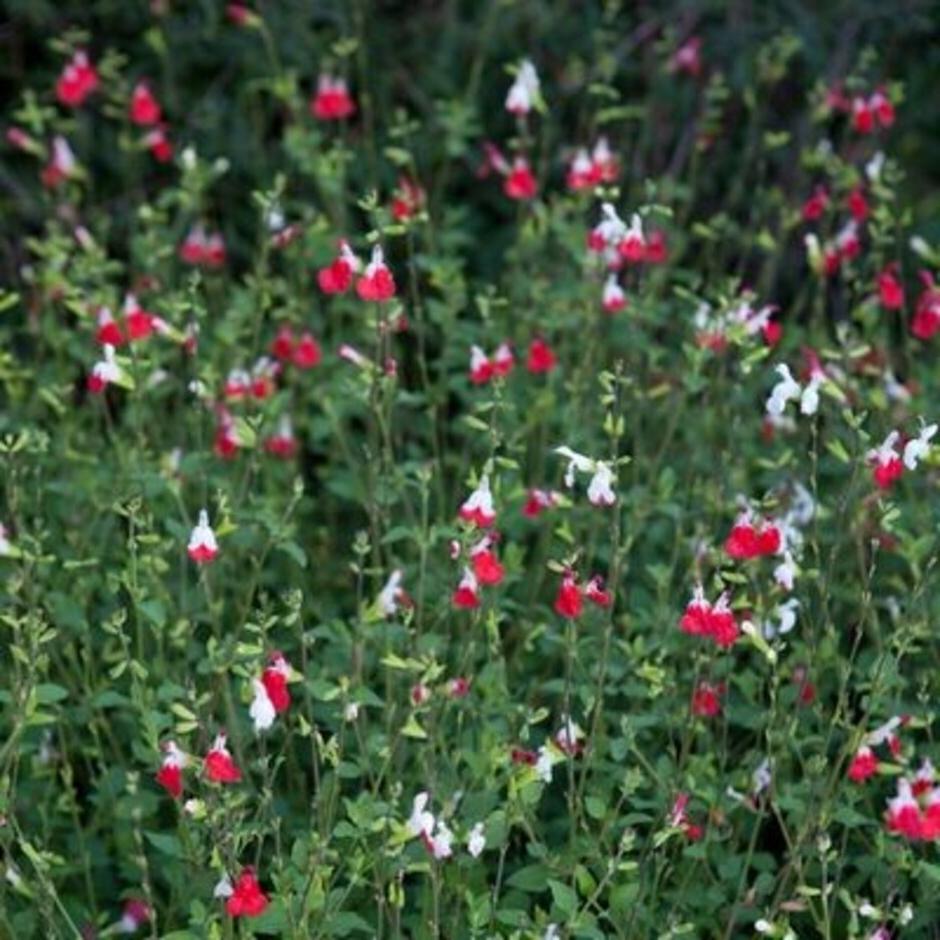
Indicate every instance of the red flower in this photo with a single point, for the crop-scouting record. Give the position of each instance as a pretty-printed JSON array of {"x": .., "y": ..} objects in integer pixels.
[
  {"x": 863, "y": 119},
  {"x": 247, "y": 898},
  {"x": 537, "y": 501},
  {"x": 858, "y": 204},
  {"x": 486, "y": 566},
  {"x": 716, "y": 621},
  {"x": 890, "y": 290},
  {"x": 540, "y": 358},
  {"x": 283, "y": 345},
  {"x": 307, "y": 353},
  {"x": 568, "y": 601},
  {"x": 816, "y": 205},
  {"x": 159, "y": 144},
  {"x": 144, "y": 108}
]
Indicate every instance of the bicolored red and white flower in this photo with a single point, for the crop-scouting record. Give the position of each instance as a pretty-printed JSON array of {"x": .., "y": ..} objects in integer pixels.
[
  {"x": 466, "y": 595},
  {"x": 537, "y": 501},
  {"x": 144, "y": 109},
  {"x": 608, "y": 233},
  {"x": 478, "y": 507},
  {"x": 569, "y": 601},
  {"x": 918, "y": 448},
  {"x": 600, "y": 491},
  {"x": 157, "y": 141},
  {"x": 904, "y": 816},
  {"x": 613, "y": 298},
  {"x": 597, "y": 593},
  {"x": 632, "y": 247},
  {"x": 138, "y": 322},
  {"x": 170, "y": 774},
  {"x": 264, "y": 374},
  {"x": 393, "y": 596},
  {"x": 78, "y": 80},
  {"x": 753, "y": 536},
  {"x": 203, "y": 546},
  {"x": 890, "y": 289},
  {"x": 706, "y": 699},
  {"x": 569, "y": 738},
  {"x": 481, "y": 369},
  {"x": 581, "y": 173},
  {"x": 714, "y": 621},
  {"x": 271, "y": 694},
  {"x": 872, "y": 112},
  {"x": 337, "y": 277},
  {"x": 106, "y": 372},
  {"x": 520, "y": 183},
  {"x": 376, "y": 283},
  {"x": 135, "y": 914},
  {"x": 407, "y": 200},
  {"x": 62, "y": 164},
  {"x": 606, "y": 165},
  {"x": 679, "y": 818},
  {"x": 864, "y": 764},
  {"x": 886, "y": 462},
  {"x": 486, "y": 565},
  {"x": 332, "y": 100},
  {"x": 282, "y": 443},
  {"x": 108, "y": 332},
  {"x": 245, "y": 898},
  {"x": 523, "y": 94},
  {"x": 202, "y": 249},
  {"x": 219, "y": 766}
]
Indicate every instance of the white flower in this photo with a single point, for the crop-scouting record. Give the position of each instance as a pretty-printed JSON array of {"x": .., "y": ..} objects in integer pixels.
[
  {"x": 224, "y": 888},
  {"x": 612, "y": 229},
  {"x": 551, "y": 933},
  {"x": 809, "y": 400},
  {"x": 763, "y": 926},
  {"x": 524, "y": 90},
  {"x": 421, "y": 822},
  {"x": 917, "y": 449},
  {"x": 786, "y": 617},
  {"x": 762, "y": 777},
  {"x": 390, "y": 595},
  {"x": 786, "y": 390},
  {"x": 262, "y": 709},
  {"x": 785, "y": 572},
  {"x": 874, "y": 166},
  {"x": 441, "y": 843},
  {"x": 886, "y": 451},
  {"x": 5, "y": 546},
  {"x": 600, "y": 491},
  {"x": 476, "y": 841},
  {"x": 351, "y": 711},
  {"x": 543, "y": 766}
]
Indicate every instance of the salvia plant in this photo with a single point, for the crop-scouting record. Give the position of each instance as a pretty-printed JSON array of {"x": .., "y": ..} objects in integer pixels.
[{"x": 469, "y": 470}]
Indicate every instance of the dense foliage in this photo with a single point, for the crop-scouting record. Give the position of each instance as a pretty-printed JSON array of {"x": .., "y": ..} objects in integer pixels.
[{"x": 469, "y": 469}]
